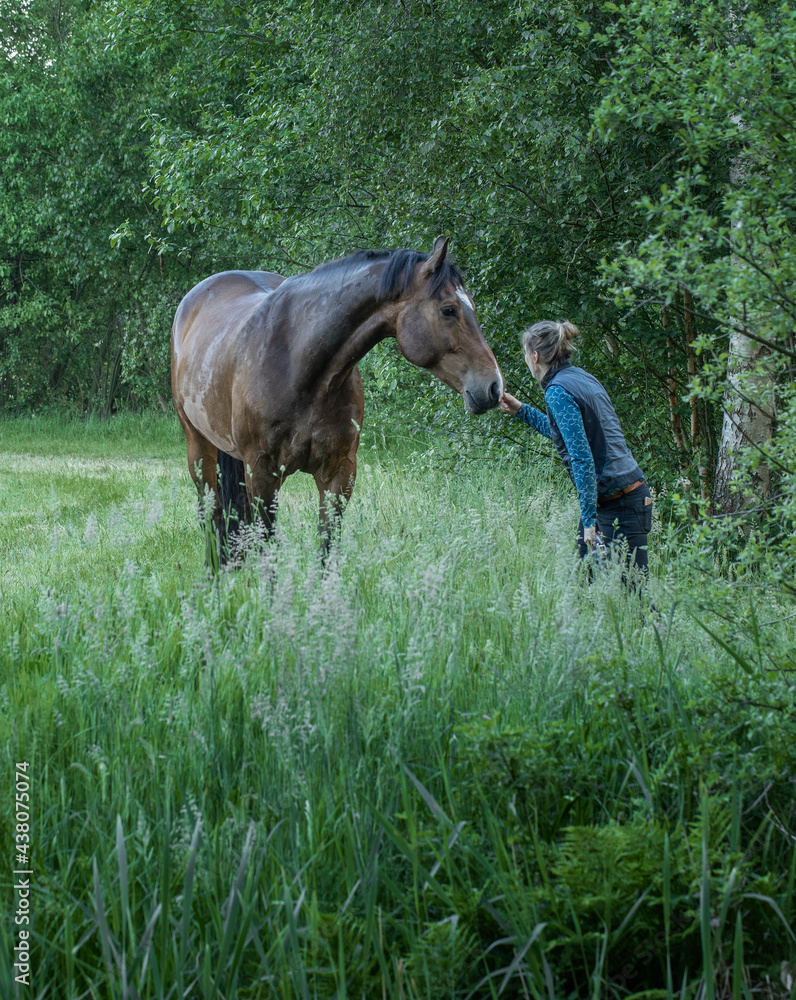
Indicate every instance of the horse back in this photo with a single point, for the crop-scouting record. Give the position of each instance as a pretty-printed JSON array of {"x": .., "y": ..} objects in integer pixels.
[{"x": 226, "y": 296}]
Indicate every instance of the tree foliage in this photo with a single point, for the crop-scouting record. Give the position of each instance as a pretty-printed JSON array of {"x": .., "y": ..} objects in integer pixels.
[{"x": 723, "y": 232}]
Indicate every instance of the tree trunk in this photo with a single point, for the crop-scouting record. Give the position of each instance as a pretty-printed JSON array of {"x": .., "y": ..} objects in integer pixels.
[
  {"x": 674, "y": 399},
  {"x": 749, "y": 397},
  {"x": 114, "y": 375},
  {"x": 746, "y": 425}
]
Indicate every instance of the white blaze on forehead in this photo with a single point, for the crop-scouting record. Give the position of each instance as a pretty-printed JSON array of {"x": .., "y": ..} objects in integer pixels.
[{"x": 465, "y": 298}]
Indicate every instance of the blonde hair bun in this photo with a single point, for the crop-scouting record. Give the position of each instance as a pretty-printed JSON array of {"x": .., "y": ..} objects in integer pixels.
[
  {"x": 553, "y": 339},
  {"x": 567, "y": 330}
]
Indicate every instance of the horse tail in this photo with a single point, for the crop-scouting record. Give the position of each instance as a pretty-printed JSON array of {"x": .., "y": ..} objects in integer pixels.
[{"x": 232, "y": 488}]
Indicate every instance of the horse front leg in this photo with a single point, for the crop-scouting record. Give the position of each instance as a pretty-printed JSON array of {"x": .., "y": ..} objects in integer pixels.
[
  {"x": 262, "y": 483},
  {"x": 335, "y": 487}
]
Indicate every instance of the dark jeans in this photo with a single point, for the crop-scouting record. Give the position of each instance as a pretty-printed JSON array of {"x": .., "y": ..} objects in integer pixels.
[{"x": 626, "y": 518}]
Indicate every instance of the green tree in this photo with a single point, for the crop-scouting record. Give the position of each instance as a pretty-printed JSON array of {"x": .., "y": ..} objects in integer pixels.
[
  {"x": 721, "y": 82},
  {"x": 366, "y": 126},
  {"x": 81, "y": 325}
]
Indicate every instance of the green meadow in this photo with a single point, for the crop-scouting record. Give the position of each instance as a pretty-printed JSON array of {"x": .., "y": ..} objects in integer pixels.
[{"x": 441, "y": 765}]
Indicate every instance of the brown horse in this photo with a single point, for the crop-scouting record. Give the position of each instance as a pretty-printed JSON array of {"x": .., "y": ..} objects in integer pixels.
[{"x": 265, "y": 379}]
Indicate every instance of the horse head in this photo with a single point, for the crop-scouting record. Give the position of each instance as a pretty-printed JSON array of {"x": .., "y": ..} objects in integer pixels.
[{"x": 437, "y": 330}]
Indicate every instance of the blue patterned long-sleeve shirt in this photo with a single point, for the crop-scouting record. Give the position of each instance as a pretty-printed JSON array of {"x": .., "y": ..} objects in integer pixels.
[{"x": 566, "y": 413}]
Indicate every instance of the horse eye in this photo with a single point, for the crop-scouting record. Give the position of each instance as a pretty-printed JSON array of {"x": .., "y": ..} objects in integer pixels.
[{"x": 451, "y": 312}]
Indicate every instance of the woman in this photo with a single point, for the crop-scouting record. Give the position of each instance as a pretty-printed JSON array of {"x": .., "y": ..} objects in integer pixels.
[{"x": 615, "y": 501}]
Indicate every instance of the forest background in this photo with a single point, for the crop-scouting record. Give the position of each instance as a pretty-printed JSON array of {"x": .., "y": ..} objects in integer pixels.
[{"x": 629, "y": 167}]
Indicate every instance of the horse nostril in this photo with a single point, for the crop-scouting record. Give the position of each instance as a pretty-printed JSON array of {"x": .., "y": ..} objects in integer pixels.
[{"x": 494, "y": 392}]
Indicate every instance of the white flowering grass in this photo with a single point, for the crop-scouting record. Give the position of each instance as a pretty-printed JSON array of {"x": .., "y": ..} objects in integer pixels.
[{"x": 252, "y": 753}]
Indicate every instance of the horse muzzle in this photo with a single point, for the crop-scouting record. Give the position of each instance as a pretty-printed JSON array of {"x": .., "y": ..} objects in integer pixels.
[{"x": 482, "y": 395}]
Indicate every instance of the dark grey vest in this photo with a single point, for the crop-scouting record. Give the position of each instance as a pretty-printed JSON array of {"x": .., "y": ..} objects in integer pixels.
[{"x": 613, "y": 460}]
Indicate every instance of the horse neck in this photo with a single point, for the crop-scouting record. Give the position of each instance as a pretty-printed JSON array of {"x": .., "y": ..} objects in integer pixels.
[{"x": 345, "y": 322}]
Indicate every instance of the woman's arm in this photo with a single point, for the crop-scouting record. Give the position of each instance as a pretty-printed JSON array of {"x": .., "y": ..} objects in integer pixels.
[
  {"x": 566, "y": 413},
  {"x": 527, "y": 414}
]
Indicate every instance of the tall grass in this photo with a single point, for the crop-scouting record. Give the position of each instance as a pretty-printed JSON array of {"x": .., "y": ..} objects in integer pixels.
[{"x": 441, "y": 765}]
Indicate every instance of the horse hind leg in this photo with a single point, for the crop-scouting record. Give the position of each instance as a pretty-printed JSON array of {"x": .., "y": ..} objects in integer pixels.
[
  {"x": 202, "y": 467},
  {"x": 203, "y": 457}
]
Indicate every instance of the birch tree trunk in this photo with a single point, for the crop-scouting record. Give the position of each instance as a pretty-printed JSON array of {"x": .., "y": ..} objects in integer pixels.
[
  {"x": 748, "y": 424},
  {"x": 748, "y": 397}
]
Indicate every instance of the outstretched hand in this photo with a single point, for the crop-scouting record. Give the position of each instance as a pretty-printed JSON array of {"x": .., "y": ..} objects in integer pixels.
[{"x": 509, "y": 404}]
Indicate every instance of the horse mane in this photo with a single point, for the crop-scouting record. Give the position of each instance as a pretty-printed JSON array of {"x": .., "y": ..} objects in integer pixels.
[{"x": 397, "y": 276}]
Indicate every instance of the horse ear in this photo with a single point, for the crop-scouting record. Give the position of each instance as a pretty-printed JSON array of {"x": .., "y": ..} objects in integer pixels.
[{"x": 438, "y": 255}]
